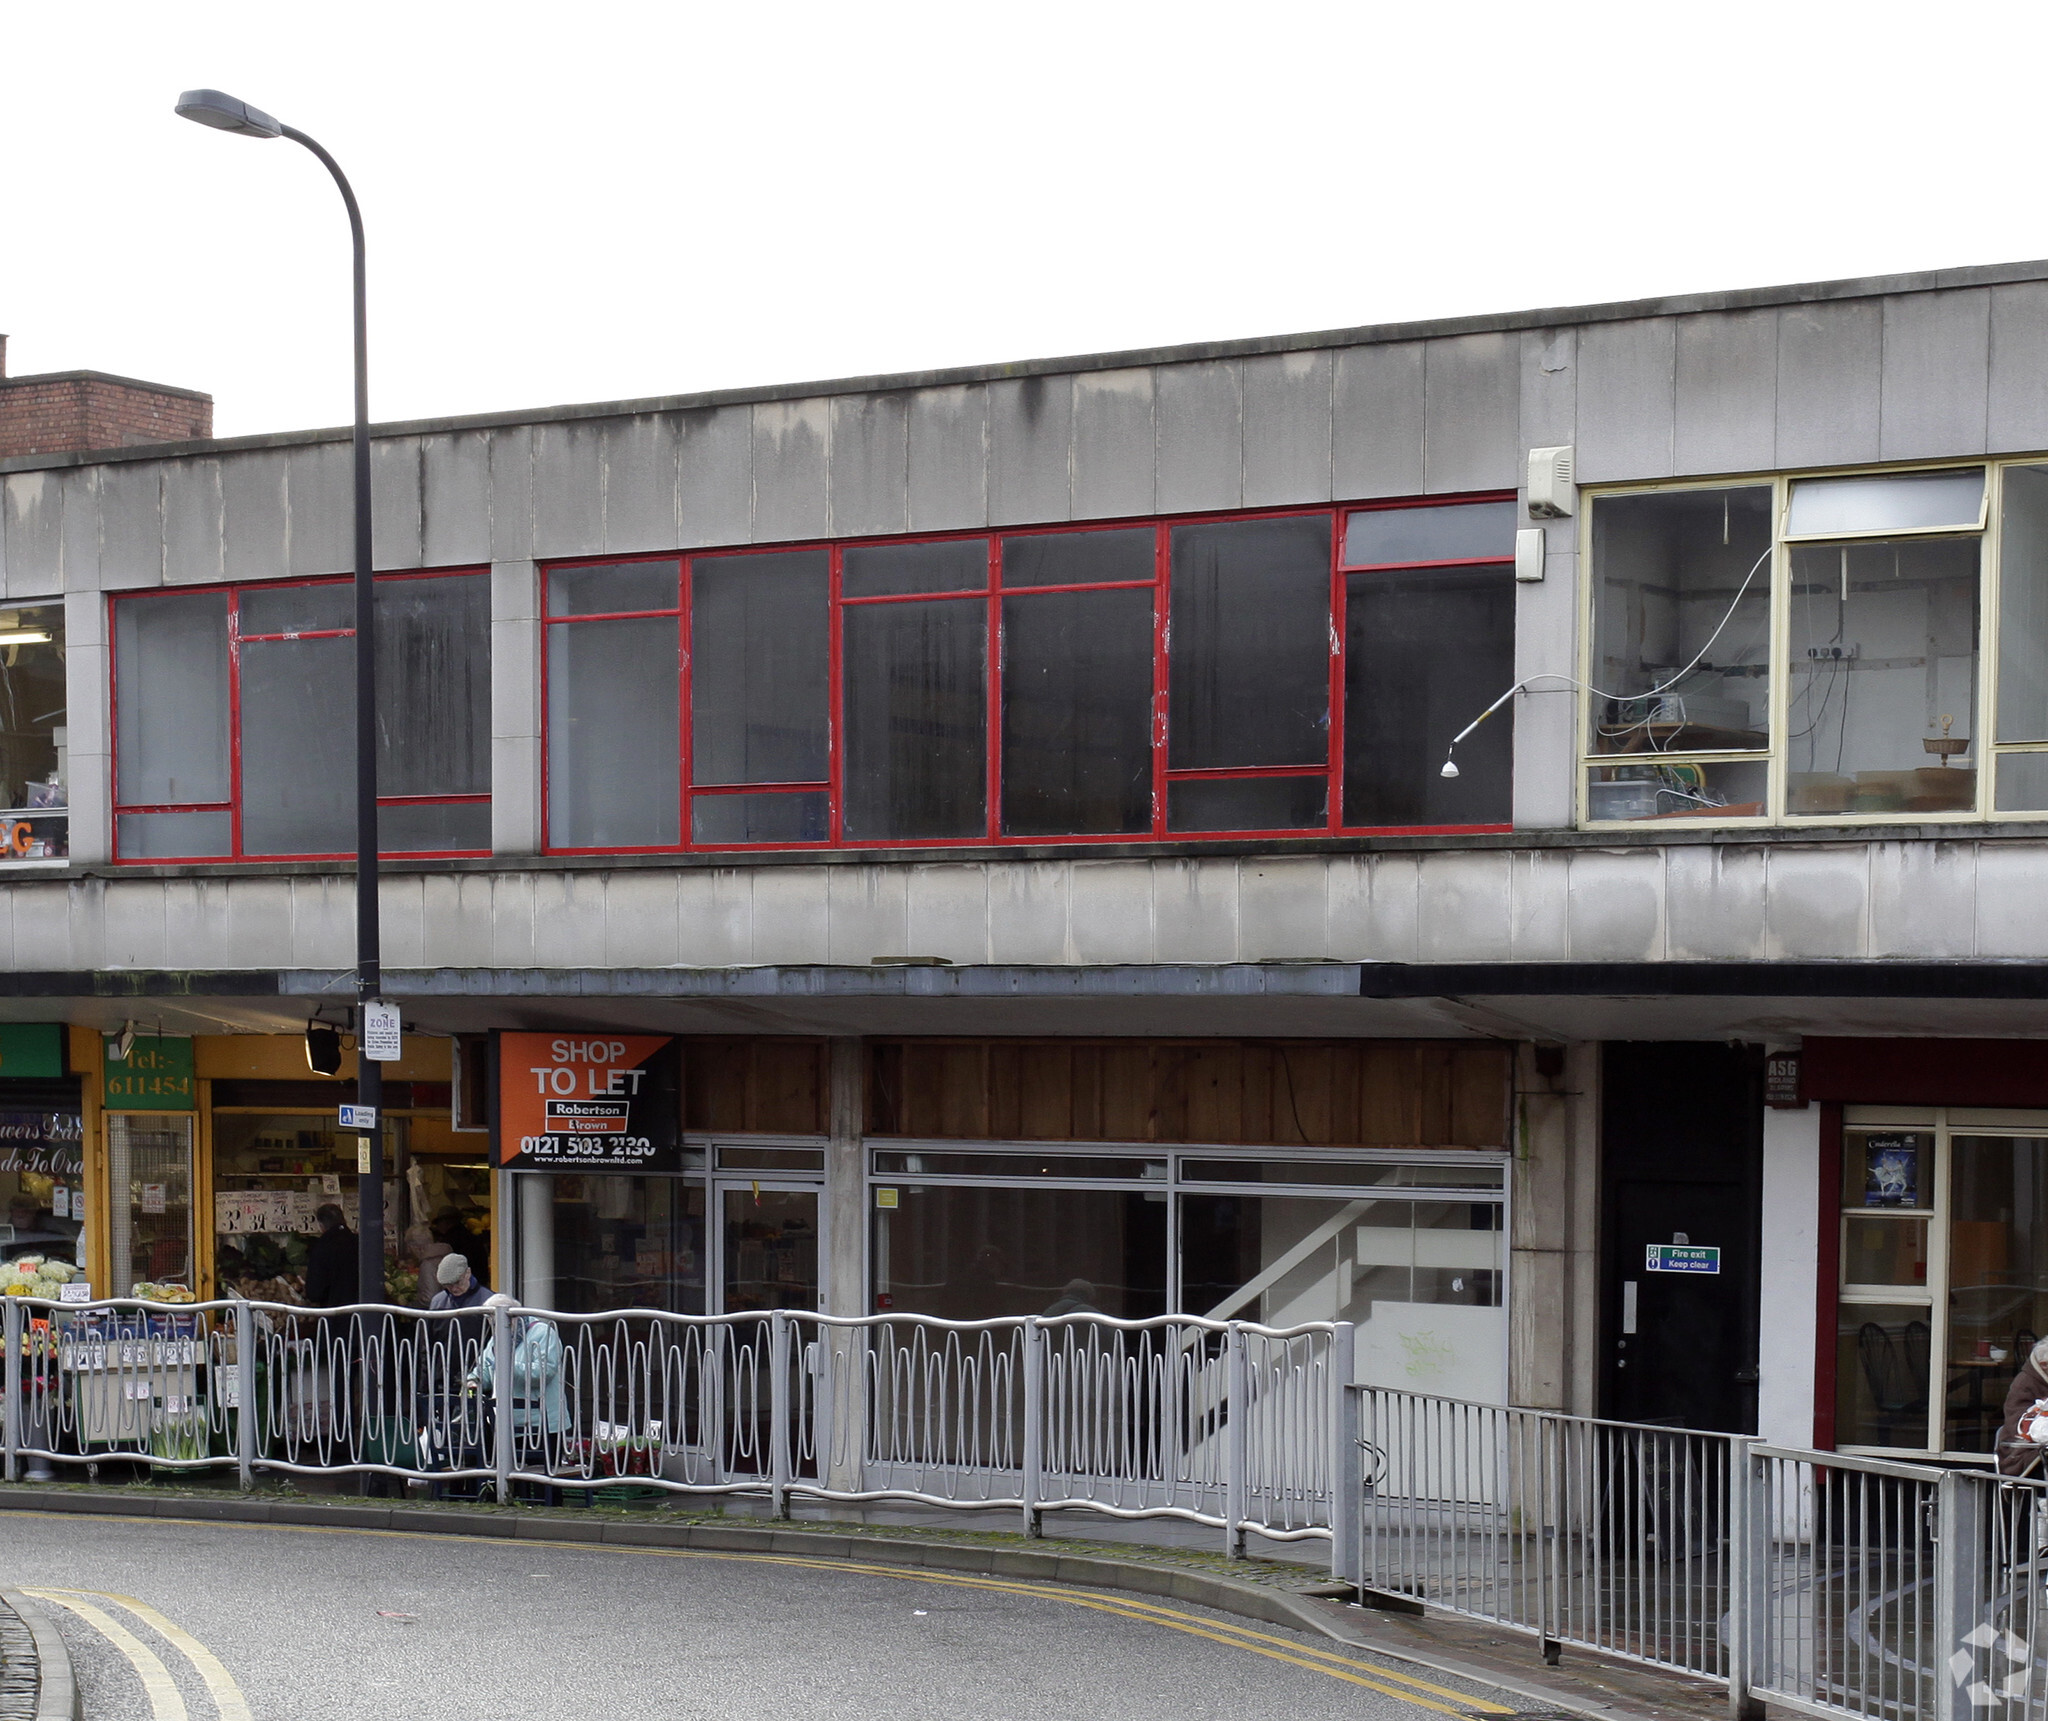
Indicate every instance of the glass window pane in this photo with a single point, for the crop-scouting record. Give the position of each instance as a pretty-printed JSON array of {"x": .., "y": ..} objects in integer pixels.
[
  {"x": 173, "y": 836},
  {"x": 1424, "y": 654},
  {"x": 760, "y": 630},
  {"x": 2022, "y": 782},
  {"x": 171, "y": 697},
  {"x": 916, "y": 720},
  {"x": 1247, "y": 804},
  {"x": 613, "y": 752},
  {"x": 1412, "y": 1175},
  {"x": 1891, "y": 1168},
  {"x": 299, "y": 747},
  {"x": 973, "y": 1254},
  {"x": 1881, "y": 1374},
  {"x": 434, "y": 827},
  {"x": 295, "y": 609},
  {"x": 876, "y": 570},
  {"x": 1884, "y": 676},
  {"x": 1668, "y": 571},
  {"x": 624, "y": 586},
  {"x": 1079, "y": 558},
  {"x": 1884, "y": 1249},
  {"x": 1462, "y": 532},
  {"x": 1250, "y": 647},
  {"x": 1077, "y": 713},
  {"x": 1997, "y": 1276},
  {"x": 1677, "y": 790},
  {"x": 618, "y": 1242},
  {"x": 42, "y": 1185},
  {"x": 149, "y": 1169},
  {"x": 798, "y": 818},
  {"x": 1828, "y": 507},
  {"x": 434, "y": 686},
  {"x": 926, "y": 1163},
  {"x": 2023, "y": 607},
  {"x": 35, "y": 731}
]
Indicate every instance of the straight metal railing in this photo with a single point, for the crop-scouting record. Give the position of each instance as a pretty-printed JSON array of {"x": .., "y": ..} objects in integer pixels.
[{"x": 1227, "y": 1424}]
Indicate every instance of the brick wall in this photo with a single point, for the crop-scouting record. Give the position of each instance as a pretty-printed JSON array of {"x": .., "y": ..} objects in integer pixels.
[{"x": 66, "y": 412}]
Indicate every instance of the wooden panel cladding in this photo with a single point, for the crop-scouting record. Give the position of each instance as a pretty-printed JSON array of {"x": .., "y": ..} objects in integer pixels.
[
  {"x": 767, "y": 1087},
  {"x": 1270, "y": 1093}
]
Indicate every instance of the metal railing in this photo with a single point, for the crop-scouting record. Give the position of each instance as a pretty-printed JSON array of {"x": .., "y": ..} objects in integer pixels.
[{"x": 1228, "y": 1424}]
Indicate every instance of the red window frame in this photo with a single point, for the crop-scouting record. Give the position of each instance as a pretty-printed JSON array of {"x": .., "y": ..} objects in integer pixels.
[
  {"x": 1331, "y": 770},
  {"x": 236, "y": 639}
]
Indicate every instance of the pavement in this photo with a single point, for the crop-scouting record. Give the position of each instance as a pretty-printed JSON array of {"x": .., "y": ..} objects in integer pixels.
[{"x": 175, "y": 1620}]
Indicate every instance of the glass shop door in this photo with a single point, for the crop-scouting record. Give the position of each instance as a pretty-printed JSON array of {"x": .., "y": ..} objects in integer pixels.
[{"x": 770, "y": 1252}]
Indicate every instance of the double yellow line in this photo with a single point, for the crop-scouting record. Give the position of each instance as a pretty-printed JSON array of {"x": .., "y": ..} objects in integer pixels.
[{"x": 166, "y": 1701}]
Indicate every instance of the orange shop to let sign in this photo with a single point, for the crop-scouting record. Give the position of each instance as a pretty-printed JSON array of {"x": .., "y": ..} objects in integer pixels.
[{"x": 587, "y": 1102}]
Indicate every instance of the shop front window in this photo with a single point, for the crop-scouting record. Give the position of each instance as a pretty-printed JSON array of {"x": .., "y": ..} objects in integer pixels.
[
  {"x": 602, "y": 1240},
  {"x": 42, "y": 1186},
  {"x": 273, "y": 1173},
  {"x": 149, "y": 1169}
]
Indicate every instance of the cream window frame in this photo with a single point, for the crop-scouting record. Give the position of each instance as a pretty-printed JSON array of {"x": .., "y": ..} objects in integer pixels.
[{"x": 1988, "y": 751}]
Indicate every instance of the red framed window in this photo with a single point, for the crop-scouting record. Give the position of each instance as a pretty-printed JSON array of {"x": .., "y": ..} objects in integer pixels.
[
  {"x": 1279, "y": 673},
  {"x": 234, "y": 734}
]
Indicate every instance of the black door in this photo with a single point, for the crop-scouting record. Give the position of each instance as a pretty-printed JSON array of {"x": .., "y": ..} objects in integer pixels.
[{"x": 1682, "y": 1150}]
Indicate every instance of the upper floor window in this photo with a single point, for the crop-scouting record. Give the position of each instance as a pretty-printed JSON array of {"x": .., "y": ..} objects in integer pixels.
[
  {"x": 1816, "y": 648},
  {"x": 34, "y": 737},
  {"x": 1277, "y": 673},
  {"x": 234, "y": 719}
]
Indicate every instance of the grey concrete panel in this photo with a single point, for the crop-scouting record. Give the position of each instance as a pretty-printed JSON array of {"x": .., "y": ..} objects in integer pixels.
[
  {"x": 199, "y": 923},
  {"x": 641, "y": 482},
  {"x": 455, "y": 920},
  {"x": 260, "y": 926},
  {"x": 1282, "y": 909},
  {"x": 514, "y": 915},
  {"x": 1195, "y": 909},
  {"x": 516, "y": 747},
  {"x": 32, "y": 520},
  {"x": 1627, "y": 405},
  {"x": 320, "y": 492},
  {"x": 1923, "y": 898},
  {"x": 1112, "y": 911},
  {"x": 569, "y": 917},
  {"x": 1347, "y": 907},
  {"x": 134, "y": 927},
  {"x": 1392, "y": 911},
  {"x": 515, "y": 795},
  {"x": 947, "y": 911},
  {"x": 715, "y": 916},
  {"x": 1030, "y": 449},
  {"x": 455, "y": 499},
  {"x": 1830, "y": 359},
  {"x": 511, "y": 494},
  {"x": 870, "y": 459},
  {"x": 948, "y": 458},
  {"x": 1546, "y": 715},
  {"x": 1462, "y": 906},
  {"x": 1113, "y": 444},
  {"x": 2012, "y": 909},
  {"x": 1539, "y": 907},
  {"x": 1027, "y": 911},
  {"x": 192, "y": 521},
  {"x": 131, "y": 525},
  {"x": 1550, "y": 388},
  {"x": 1817, "y": 901},
  {"x": 1288, "y": 400},
  {"x": 789, "y": 914},
  {"x": 1201, "y": 437},
  {"x": 568, "y": 489},
  {"x": 641, "y": 920},
  {"x": 1376, "y": 421},
  {"x": 42, "y": 927},
  {"x": 868, "y": 910},
  {"x": 91, "y": 786},
  {"x": 81, "y": 531},
  {"x": 395, "y": 486},
  {"x": 2017, "y": 409},
  {"x": 323, "y": 921},
  {"x": 1472, "y": 413},
  {"x": 256, "y": 514},
  {"x": 1714, "y": 902},
  {"x": 1727, "y": 393},
  {"x": 716, "y": 497},
  {"x": 1615, "y": 912},
  {"x": 1937, "y": 374},
  {"x": 792, "y": 457}
]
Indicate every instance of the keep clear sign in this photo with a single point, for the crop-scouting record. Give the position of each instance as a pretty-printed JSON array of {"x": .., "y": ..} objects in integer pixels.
[
  {"x": 1682, "y": 1258},
  {"x": 589, "y": 1102}
]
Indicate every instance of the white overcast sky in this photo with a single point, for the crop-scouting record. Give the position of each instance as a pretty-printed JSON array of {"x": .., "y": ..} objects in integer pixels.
[{"x": 613, "y": 199}]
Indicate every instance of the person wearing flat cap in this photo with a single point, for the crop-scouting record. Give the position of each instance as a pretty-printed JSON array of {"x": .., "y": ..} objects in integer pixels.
[{"x": 460, "y": 1288}]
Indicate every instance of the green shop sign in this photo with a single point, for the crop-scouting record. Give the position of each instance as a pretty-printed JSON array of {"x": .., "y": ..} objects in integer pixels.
[
  {"x": 31, "y": 1050},
  {"x": 156, "y": 1075}
]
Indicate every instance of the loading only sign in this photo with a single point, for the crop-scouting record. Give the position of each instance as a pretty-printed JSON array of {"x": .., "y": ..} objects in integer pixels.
[
  {"x": 1682, "y": 1258},
  {"x": 588, "y": 1102}
]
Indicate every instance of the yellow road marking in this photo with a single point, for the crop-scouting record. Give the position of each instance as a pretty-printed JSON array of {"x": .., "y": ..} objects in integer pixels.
[
  {"x": 227, "y": 1695},
  {"x": 1329, "y": 1662},
  {"x": 166, "y": 1703}
]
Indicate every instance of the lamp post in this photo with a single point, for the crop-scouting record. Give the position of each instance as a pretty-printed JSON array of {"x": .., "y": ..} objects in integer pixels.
[{"x": 225, "y": 113}]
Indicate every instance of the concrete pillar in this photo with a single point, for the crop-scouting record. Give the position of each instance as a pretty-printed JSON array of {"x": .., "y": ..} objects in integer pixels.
[
  {"x": 1790, "y": 1278},
  {"x": 88, "y": 759},
  {"x": 1555, "y": 1229},
  {"x": 846, "y": 1213},
  {"x": 536, "y": 1238},
  {"x": 515, "y": 708}
]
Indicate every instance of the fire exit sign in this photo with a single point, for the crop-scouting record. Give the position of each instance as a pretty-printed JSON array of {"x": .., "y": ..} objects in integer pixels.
[{"x": 1682, "y": 1258}]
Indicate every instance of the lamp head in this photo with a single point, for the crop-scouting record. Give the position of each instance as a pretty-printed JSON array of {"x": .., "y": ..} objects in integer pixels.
[
  {"x": 1450, "y": 768},
  {"x": 224, "y": 113}
]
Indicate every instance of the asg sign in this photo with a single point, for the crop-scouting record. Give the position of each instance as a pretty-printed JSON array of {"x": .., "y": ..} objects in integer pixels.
[{"x": 588, "y": 1102}]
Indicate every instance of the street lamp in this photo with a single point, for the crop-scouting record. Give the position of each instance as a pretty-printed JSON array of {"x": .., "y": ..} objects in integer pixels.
[{"x": 225, "y": 113}]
